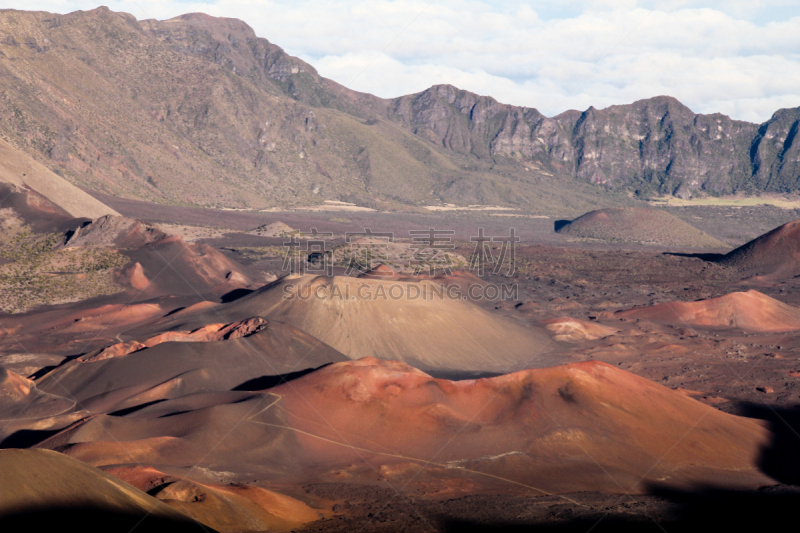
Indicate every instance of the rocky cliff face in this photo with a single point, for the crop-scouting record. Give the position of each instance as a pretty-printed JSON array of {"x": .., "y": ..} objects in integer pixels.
[
  {"x": 652, "y": 146},
  {"x": 200, "y": 110},
  {"x": 659, "y": 145},
  {"x": 775, "y": 154}
]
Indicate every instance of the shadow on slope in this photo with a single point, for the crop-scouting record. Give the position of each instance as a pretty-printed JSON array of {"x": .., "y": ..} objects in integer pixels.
[
  {"x": 712, "y": 258},
  {"x": 267, "y": 382},
  {"x": 89, "y": 518},
  {"x": 701, "y": 510},
  {"x": 27, "y": 438},
  {"x": 705, "y": 510},
  {"x": 235, "y": 294},
  {"x": 558, "y": 224}
]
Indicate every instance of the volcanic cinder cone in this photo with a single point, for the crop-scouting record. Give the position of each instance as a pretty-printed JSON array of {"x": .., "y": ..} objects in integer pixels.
[
  {"x": 161, "y": 264},
  {"x": 775, "y": 254},
  {"x": 583, "y": 426},
  {"x": 640, "y": 225},
  {"x": 750, "y": 311},
  {"x": 420, "y": 323}
]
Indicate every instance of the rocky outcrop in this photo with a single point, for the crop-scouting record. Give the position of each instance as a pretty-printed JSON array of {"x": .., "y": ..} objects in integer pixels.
[
  {"x": 159, "y": 110},
  {"x": 775, "y": 153},
  {"x": 207, "y": 333},
  {"x": 114, "y": 231},
  {"x": 656, "y": 145}
]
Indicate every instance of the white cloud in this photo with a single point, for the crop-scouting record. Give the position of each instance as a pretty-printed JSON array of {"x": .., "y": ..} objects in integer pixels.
[{"x": 738, "y": 57}]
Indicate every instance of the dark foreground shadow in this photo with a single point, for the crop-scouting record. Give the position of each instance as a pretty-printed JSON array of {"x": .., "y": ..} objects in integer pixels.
[
  {"x": 25, "y": 438},
  {"x": 687, "y": 512},
  {"x": 703, "y": 510},
  {"x": 780, "y": 459},
  {"x": 94, "y": 519}
]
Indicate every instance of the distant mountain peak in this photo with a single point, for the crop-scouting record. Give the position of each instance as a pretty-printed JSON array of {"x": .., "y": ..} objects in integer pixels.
[{"x": 199, "y": 110}]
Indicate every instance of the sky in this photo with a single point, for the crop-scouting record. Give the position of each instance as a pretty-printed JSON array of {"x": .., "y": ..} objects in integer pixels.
[{"x": 737, "y": 57}]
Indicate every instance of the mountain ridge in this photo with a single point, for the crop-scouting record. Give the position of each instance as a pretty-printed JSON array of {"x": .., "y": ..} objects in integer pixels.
[{"x": 140, "y": 109}]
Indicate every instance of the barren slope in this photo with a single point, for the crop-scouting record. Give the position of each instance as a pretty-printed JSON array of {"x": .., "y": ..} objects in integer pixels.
[
  {"x": 175, "y": 368},
  {"x": 775, "y": 254},
  {"x": 47, "y": 491},
  {"x": 417, "y": 323},
  {"x": 160, "y": 110},
  {"x": 23, "y": 172},
  {"x": 640, "y": 225},
  {"x": 750, "y": 311},
  {"x": 586, "y": 426}
]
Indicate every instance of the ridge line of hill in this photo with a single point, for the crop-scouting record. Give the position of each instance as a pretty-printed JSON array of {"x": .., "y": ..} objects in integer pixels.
[{"x": 199, "y": 110}]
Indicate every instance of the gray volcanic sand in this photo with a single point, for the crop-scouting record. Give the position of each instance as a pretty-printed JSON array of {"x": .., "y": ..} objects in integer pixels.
[
  {"x": 638, "y": 225},
  {"x": 420, "y": 325}
]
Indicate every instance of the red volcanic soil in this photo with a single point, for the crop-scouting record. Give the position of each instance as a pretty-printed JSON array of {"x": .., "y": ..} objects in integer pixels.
[
  {"x": 173, "y": 266},
  {"x": 520, "y": 425},
  {"x": 76, "y": 328},
  {"x": 749, "y": 311},
  {"x": 226, "y": 508},
  {"x": 132, "y": 276},
  {"x": 212, "y": 332},
  {"x": 639, "y": 225},
  {"x": 161, "y": 264},
  {"x": 775, "y": 254},
  {"x": 23, "y": 406},
  {"x": 14, "y": 387},
  {"x": 209, "y": 333},
  {"x": 584, "y": 426},
  {"x": 116, "y": 350},
  {"x": 573, "y": 330}
]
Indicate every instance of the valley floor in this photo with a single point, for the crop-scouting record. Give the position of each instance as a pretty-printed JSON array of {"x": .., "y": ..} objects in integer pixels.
[{"x": 568, "y": 287}]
